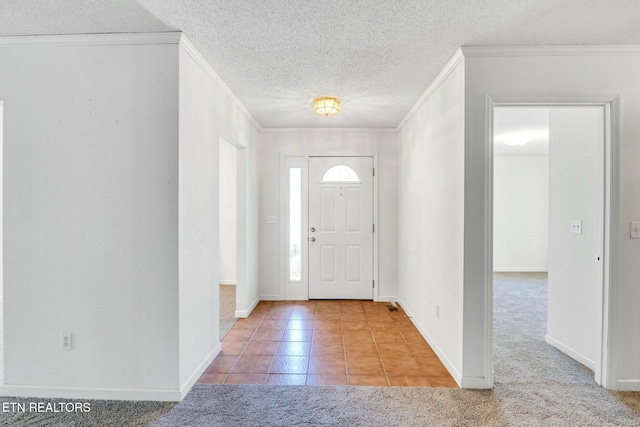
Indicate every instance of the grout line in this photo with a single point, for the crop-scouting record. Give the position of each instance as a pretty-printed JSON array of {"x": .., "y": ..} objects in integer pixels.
[
  {"x": 344, "y": 350},
  {"x": 244, "y": 348},
  {"x": 384, "y": 368},
  {"x": 313, "y": 332}
]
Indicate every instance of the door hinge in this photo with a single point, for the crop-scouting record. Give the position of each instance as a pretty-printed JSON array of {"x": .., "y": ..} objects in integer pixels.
[
  {"x": 374, "y": 171},
  {"x": 373, "y": 228},
  {"x": 373, "y": 283}
]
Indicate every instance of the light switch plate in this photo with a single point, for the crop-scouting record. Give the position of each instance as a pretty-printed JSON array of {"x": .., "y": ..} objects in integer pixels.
[
  {"x": 271, "y": 219},
  {"x": 576, "y": 227}
]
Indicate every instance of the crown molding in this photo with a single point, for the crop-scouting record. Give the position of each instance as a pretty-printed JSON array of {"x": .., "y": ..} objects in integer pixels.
[
  {"x": 505, "y": 51},
  {"x": 105, "y": 39},
  {"x": 451, "y": 65},
  {"x": 190, "y": 48},
  {"x": 102, "y": 39},
  {"x": 573, "y": 50}
]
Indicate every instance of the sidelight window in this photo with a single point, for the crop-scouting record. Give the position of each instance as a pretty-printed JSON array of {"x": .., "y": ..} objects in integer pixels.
[{"x": 295, "y": 224}]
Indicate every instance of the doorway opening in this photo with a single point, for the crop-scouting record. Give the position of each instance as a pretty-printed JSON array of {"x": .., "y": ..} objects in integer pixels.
[
  {"x": 227, "y": 228},
  {"x": 549, "y": 204},
  {"x": 232, "y": 232}
]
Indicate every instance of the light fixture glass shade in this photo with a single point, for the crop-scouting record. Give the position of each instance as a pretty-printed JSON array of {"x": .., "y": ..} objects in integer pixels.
[
  {"x": 522, "y": 137},
  {"x": 517, "y": 141},
  {"x": 326, "y": 105}
]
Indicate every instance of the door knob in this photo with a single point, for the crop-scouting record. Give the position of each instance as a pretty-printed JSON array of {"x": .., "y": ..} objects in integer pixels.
[
  {"x": 313, "y": 239},
  {"x": 313, "y": 229}
]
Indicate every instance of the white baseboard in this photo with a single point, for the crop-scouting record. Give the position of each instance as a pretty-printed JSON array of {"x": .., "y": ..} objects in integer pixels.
[
  {"x": 227, "y": 282},
  {"x": 519, "y": 270},
  {"x": 271, "y": 298},
  {"x": 457, "y": 376},
  {"x": 476, "y": 383},
  {"x": 157, "y": 395},
  {"x": 186, "y": 386},
  {"x": 246, "y": 312},
  {"x": 576, "y": 355},
  {"x": 44, "y": 392},
  {"x": 628, "y": 385},
  {"x": 274, "y": 297}
]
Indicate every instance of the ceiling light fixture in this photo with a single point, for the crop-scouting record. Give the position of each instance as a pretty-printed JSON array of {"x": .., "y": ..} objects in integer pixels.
[
  {"x": 522, "y": 137},
  {"x": 514, "y": 142},
  {"x": 326, "y": 105}
]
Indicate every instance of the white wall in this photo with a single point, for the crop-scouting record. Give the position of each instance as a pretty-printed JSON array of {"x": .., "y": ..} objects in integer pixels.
[
  {"x": 520, "y": 213},
  {"x": 198, "y": 222},
  {"x": 561, "y": 75},
  {"x": 90, "y": 217},
  {"x": 1, "y": 209},
  {"x": 576, "y": 145},
  {"x": 208, "y": 113},
  {"x": 431, "y": 217},
  {"x": 111, "y": 209},
  {"x": 311, "y": 141},
  {"x": 228, "y": 199}
]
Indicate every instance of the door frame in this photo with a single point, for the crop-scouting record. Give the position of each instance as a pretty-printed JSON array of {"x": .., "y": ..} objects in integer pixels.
[
  {"x": 299, "y": 290},
  {"x": 314, "y": 188},
  {"x": 605, "y": 372},
  {"x": 243, "y": 308}
]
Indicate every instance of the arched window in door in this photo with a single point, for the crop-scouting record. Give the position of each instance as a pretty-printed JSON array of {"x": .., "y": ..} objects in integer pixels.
[{"x": 340, "y": 173}]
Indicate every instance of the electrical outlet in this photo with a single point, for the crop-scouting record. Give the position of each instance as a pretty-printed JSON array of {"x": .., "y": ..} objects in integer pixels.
[
  {"x": 437, "y": 311},
  {"x": 635, "y": 230},
  {"x": 65, "y": 340},
  {"x": 576, "y": 227}
]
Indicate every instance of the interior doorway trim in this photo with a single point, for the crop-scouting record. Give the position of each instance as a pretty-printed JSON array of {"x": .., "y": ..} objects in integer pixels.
[
  {"x": 243, "y": 307},
  {"x": 605, "y": 372},
  {"x": 288, "y": 160}
]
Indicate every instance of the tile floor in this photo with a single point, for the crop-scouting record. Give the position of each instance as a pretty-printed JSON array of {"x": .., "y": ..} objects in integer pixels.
[{"x": 326, "y": 343}]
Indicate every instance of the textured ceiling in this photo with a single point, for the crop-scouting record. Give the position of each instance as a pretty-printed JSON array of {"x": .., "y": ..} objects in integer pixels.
[
  {"x": 38, "y": 17},
  {"x": 377, "y": 56}
]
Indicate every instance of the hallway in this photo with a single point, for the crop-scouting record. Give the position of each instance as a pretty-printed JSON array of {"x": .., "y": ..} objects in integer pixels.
[{"x": 326, "y": 343}]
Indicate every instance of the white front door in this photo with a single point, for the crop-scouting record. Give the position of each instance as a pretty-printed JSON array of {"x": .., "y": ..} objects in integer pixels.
[{"x": 341, "y": 228}]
